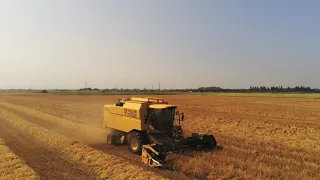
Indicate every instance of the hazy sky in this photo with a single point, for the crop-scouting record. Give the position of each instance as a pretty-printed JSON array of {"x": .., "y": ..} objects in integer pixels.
[{"x": 231, "y": 44}]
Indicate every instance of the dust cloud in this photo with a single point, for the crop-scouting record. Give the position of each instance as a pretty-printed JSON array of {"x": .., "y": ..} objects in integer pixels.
[
  {"x": 94, "y": 135},
  {"x": 87, "y": 134}
]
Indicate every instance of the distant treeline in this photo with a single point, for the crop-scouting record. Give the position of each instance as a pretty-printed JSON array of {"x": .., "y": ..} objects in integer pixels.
[
  {"x": 283, "y": 89},
  {"x": 301, "y": 89}
]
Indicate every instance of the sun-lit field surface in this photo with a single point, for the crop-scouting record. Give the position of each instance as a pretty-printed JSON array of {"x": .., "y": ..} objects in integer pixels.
[{"x": 259, "y": 136}]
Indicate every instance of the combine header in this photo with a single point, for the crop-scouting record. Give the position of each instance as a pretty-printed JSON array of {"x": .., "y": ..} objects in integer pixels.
[{"x": 151, "y": 127}]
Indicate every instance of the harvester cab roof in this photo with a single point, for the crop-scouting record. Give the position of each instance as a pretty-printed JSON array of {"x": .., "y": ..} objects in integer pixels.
[{"x": 148, "y": 100}]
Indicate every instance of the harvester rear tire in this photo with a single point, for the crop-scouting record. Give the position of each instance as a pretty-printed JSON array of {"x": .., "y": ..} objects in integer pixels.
[
  {"x": 135, "y": 142},
  {"x": 111, "y": 139}
]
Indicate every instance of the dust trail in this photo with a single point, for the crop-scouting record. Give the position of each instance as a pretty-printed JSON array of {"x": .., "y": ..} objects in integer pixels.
[
  {"x": 47, "y": 162},
  {"x": 84, "y": 133},
  {"x": 92, "y": 135}
]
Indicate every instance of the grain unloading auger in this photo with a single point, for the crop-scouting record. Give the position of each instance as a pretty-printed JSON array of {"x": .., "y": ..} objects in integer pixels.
[{"x": 152, "y": 128}]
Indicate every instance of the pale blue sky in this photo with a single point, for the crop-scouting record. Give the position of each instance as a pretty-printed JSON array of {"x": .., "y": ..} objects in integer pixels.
[{"x": 231, "y": 44}]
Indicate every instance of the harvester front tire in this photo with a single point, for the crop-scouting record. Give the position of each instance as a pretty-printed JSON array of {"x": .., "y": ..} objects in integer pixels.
[
  {"x": 111, "y": 139},
  {"x": 135, "y": 142}
]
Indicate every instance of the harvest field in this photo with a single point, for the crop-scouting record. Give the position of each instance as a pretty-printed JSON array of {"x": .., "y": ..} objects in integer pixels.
[{"x": 259, "y": 137}]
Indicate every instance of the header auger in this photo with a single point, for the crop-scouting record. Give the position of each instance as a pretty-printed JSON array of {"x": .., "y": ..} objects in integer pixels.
[{"x": 151, "y": 127}]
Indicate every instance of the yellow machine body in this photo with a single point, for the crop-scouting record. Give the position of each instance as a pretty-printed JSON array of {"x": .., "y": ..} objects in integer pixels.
[
  {"x": 131, "y": 115},
  {"x": 147, "y": 126}
]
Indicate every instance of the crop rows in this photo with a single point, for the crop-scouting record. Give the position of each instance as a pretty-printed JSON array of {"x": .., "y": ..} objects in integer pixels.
[{"x": 12, "y": 166}]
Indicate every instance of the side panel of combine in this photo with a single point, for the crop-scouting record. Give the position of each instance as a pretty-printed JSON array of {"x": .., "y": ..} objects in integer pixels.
[{"x": 124, "y": 118}]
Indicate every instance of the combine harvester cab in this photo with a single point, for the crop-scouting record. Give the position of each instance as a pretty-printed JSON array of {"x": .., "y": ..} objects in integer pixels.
[{"x": 151, "y": 127}]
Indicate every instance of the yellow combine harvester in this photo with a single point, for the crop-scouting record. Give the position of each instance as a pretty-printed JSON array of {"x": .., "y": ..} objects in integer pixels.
[{"x": 151, "y": 127}]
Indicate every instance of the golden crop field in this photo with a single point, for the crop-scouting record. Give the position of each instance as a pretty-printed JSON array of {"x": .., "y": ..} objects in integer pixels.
[{"x": 259, "y": 137}]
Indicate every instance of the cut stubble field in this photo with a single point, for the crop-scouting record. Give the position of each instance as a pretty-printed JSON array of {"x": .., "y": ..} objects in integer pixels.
[{"x": 259, "y": 137}]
